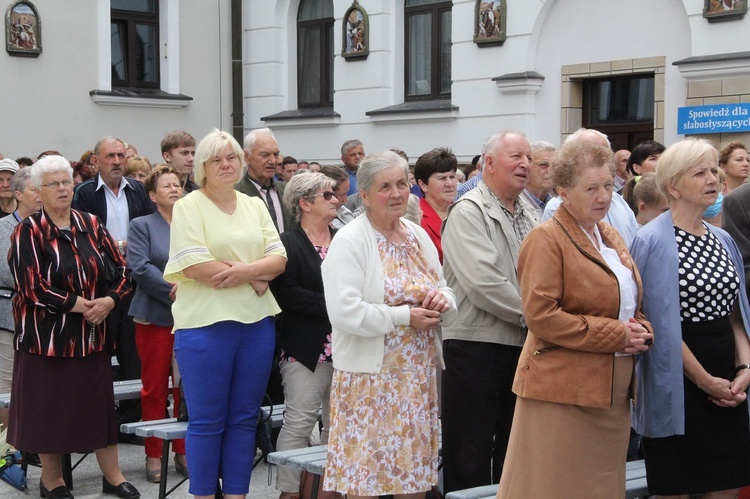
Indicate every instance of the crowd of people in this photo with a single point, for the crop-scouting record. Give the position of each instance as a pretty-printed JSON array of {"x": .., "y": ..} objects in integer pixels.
[{"x": 545, "y": 312}]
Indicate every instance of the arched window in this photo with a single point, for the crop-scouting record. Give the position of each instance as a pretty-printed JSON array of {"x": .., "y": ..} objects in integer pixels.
[
  {"x": 428, "y": 49},
  {"x": 315, "y": 53}
]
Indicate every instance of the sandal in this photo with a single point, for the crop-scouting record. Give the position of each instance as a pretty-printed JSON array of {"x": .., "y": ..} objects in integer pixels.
[
  {"x": 178, "y": 466},
  {"x": 153, "y": 476}
]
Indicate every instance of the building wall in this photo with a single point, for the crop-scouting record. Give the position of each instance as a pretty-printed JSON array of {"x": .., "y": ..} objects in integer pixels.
[
  {"x": 46, "y": 102},
  {"x": 550, "y": 38}
]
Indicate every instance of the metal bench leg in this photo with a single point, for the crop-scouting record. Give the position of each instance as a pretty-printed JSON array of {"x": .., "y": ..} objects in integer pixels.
[
  {"x": 164, "y": 469},
  {"x": 67, "y": 471},
  {"x": 315, "y": 485}
]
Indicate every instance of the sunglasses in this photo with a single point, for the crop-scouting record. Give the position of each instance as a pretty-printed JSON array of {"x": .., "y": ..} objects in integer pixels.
[{"x": 327, "y": 195}]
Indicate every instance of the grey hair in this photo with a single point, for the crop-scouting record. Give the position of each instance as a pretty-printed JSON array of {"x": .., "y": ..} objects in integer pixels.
[
  {"x": 494, "y": 141},
  {"x": 376, "y": 163},
  {"x": 20, "y": 179},
  {"x": 581, "y": 131},
  {"x": 542, "y": 145},
  {"x": 108, "y": 138},
  {"x": 349, "y": 145},
  {"x": 252, "y": 137},
  {"x": 302, "y": 187},
  {"x": 49, "y": 164}
]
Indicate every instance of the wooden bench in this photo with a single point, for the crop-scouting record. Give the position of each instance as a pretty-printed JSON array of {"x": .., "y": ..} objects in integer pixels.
[
  {"x": 635, "y": 485},
  {"x": 170, "y": 429}
]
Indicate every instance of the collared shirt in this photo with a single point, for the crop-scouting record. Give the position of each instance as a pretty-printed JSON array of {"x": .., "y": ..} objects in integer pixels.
[
  {"x": 265, "y": 189},
  {"x": 352, "y": 181},
  {"x": 521, "y": 222},
  {"x": 468, "y": 185},
  {"x": 118, "y": 215}
]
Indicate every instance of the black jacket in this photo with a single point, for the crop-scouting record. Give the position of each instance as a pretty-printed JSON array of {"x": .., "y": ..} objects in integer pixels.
[
  {"x": 304, "y": 320},
  {"x": 246, "y": 186},
  {"x": 87, "y": 198}
]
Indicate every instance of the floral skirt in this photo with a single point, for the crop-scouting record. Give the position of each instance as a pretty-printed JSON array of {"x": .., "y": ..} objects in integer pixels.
[{"x": 384, "y": 427}]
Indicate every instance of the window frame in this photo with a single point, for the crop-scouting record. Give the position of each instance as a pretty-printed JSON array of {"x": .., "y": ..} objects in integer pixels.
[
  {"x": 327, "y": 49},
  {"x": 129, "y": 19},
  {"x": 436, "y": 10}
]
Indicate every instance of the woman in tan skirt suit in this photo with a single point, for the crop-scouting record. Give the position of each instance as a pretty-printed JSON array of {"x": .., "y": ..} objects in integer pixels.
[{"x": 581, "y": 299}]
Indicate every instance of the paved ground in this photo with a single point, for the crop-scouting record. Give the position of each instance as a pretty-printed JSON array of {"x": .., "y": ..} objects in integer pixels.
[{"x": 87, "y": 479}]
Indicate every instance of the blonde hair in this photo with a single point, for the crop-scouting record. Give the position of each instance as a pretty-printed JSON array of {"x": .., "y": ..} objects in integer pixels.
[
  {"x": 209, "y": 147},
  {"x": 678, "y": 159}
]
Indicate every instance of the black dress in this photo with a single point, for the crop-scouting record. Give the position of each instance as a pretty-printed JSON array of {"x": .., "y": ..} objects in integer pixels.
[{"x": 714, "y": 453}]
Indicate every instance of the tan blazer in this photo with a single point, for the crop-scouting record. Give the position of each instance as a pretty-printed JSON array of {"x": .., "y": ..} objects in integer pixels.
[{"x": 571, "y": 301}]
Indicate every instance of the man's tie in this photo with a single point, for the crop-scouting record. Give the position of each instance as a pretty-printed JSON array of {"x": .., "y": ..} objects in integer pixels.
[{"x": 271, "y": 208}]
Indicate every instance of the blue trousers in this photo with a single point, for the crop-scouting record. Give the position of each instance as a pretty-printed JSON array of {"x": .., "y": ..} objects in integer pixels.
[{"x": 224, "y": 369}]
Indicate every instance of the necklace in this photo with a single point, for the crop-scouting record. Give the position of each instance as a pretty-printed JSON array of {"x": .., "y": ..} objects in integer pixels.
[
  {"x": 321, "y": 238},
  {"x": 395, "y": 235},
  {"x": 226, "y": 208}
]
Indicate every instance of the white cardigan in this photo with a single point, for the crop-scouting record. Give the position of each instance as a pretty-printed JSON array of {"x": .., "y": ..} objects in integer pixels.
[{"x": 354, "y": 286}]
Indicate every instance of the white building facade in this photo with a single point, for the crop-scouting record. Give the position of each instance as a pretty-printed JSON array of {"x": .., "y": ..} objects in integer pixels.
[{"x": 535, "y": 82}]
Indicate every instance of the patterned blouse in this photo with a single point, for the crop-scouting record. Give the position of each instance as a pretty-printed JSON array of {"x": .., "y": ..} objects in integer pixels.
[{"x": 51, "y": 266}]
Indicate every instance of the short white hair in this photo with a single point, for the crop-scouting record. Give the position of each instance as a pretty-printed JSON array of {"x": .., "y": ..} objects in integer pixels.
[
  {"x": 252, "y": 137},
  {"x": 49, "y": 164}
]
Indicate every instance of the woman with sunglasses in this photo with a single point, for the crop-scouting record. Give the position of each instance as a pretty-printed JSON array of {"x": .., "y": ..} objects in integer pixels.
[{"x": 305, "y": 341}]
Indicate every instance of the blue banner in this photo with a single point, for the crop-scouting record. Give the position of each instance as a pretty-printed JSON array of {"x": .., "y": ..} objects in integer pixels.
[{"x": 719, "y": 118}]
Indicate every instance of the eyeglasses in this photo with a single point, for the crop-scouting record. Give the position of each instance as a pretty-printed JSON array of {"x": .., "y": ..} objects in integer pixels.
[
  {"x": 56, "y": 185},
  {"x": 327, "y": 195}
]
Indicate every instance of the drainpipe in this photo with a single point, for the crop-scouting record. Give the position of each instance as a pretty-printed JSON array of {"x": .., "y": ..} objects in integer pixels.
[{"x": 238, "y": 126}]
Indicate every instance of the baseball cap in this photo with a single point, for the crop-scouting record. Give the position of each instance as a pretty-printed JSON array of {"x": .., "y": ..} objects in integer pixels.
[{"x": 8, "y": 165}]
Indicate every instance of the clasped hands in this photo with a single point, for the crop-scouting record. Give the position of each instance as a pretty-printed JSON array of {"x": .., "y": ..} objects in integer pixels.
[
  {"x": 428, "y": 315},
  {"x": 94, "y": 311},
  {"x": 637, "y": 339},
  {"x": 725, "y": 393}
]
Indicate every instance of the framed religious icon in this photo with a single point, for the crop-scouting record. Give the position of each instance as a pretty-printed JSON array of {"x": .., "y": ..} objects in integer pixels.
[
  {"x": 23, "y": 29},
  {"x": 490, "y": 18},
  {"x": 356, "y": 33},
  {"x": 724, "y": 10}
]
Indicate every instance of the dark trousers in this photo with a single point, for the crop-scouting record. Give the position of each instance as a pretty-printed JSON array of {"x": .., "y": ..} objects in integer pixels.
[
  {"x": 121, "y": 328},
  {"x": 478, "y": 407}
]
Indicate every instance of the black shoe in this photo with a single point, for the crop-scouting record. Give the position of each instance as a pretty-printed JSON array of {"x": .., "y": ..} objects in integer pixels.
[
  {"x": 125, "y": 490},
  {"x": 60, "y": 492}
]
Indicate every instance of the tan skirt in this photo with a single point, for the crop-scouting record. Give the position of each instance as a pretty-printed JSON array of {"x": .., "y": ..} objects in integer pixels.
[{"x": 566, "y": 451}]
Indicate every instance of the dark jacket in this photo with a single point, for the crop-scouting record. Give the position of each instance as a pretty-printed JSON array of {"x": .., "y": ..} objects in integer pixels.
[
  {"x": 246, "y": 186},
  {"x": 304, "y": 321},
  {"x": 87, "y": 198}
]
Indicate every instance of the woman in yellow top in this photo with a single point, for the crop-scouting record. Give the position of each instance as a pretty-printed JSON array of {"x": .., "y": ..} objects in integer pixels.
[{"x": 223, "y": 251}]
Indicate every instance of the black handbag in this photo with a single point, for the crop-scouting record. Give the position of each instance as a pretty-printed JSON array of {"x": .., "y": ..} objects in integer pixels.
[{"x": 109, "y": 267}]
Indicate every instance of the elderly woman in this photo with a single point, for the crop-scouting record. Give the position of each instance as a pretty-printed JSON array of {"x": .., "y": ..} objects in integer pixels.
[
  {"x": 435, "y": 173},
  {"x": 386, "y": 296},
  {"x": 581, "y": 296},
  {"x": 692, "y": 409},
  {"x": 735, "y": 162},
  {"x": 147, "y": 255},
  {"x": 62, "y": 378},
  {"x": 305, "y": 338},
  {"x": 28, "y": 202},
  {"x": 224, "y": 250}
]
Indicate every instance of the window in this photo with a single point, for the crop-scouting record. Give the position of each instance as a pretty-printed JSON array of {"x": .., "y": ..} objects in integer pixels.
[
  {"x": 428, "y": 49},
  {"x": 621, "y": 107},
  {"x": 135, "y": 43},
  {"x": 315, "y": 54}
]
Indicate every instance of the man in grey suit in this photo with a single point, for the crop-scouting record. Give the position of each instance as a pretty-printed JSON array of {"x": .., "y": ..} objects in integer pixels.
[
  {"x": 735, "y": 220},
  {"x": 262, "y": 156}
]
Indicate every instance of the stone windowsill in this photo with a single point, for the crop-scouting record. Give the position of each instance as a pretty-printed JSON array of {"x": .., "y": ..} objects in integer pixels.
[{"x": 136, "y": 97}]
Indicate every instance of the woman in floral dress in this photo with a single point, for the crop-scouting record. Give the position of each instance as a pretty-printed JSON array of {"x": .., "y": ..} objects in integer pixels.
[{"x": 386, "y": 299}]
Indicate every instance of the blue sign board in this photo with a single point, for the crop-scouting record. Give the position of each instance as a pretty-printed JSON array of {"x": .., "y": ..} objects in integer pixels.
[{"x": 719, "y": 118}]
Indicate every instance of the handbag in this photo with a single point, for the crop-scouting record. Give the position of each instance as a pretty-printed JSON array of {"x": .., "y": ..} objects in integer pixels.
[{"x": 109, "y": 267}]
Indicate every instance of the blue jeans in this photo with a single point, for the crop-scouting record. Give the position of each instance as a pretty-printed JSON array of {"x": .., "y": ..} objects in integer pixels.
[{"x": 224, "y": 369}]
